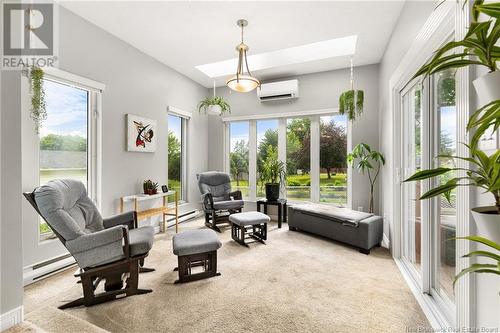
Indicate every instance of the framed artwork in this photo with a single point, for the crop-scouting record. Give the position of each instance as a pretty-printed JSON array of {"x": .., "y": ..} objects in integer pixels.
[
  {"x": 141, "y": 134},
  {"x": 164, "y": 188}
]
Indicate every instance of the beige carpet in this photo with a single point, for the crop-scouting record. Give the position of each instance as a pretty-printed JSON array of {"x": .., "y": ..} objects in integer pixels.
[{"x": 297, "y": 282}]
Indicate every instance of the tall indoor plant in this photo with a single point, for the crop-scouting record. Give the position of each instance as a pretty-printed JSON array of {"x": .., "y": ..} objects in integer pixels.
[
  {"x": 368, "y": 161},
  {"x": 273, "y": 174}
]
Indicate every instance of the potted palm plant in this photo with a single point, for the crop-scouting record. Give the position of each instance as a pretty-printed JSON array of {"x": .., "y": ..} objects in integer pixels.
[
  {"x": 484, "y": 174},
  {"x": 273, "y": 174},
  {"x": 368, "y": 161}
]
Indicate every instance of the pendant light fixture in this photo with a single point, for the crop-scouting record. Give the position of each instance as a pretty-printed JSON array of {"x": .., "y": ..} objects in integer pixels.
[{"x": 242, "y": 82}]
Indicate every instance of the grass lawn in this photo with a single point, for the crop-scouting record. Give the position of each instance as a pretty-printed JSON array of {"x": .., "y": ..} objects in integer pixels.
[
  {"x": 339, "y": 179},
  {"x": 332, "y": 190}
]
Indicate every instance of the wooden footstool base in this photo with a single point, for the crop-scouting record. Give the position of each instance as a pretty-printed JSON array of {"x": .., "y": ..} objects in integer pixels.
[
  {"x": 207, "y": 260},
  {"x": 196, "y": 248},
  {"x": 249, "y": 225}
]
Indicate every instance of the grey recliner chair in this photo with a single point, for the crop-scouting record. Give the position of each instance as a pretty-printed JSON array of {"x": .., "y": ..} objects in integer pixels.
[
  {"x": 104, "y": 249},
  {"x": 217, "y": 199}
]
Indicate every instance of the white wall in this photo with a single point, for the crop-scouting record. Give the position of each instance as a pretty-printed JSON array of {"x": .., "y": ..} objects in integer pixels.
[
  {"x": 11, "y": 274},
  {"x": 317, "y": 91},
  {"x": 137, "y": 84},
  {"x": 411, "y": 20}
]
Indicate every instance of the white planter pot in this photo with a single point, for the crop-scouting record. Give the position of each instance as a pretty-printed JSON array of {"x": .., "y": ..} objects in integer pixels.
[
  {"x": 214, "y": 110},
  {"x": 488, "y": 225},
  {"x": 488, "y": 87}
]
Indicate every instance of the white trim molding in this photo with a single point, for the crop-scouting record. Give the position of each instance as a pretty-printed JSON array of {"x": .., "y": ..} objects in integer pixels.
[
  {"x": 70, "y": 79},
  {"x": 178, "y": 112},
  {"x": 11, "y": 318},
  {"x": 294, "y": 114},
  {"x": 465, "y": 298}
]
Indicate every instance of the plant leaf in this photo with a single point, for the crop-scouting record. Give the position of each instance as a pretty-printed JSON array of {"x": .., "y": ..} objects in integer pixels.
[
  {"x": 482, "y": 240},
  {"x": 425, "y": 174}
]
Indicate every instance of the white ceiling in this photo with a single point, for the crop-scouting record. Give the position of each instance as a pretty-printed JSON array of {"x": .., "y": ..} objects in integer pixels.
[{"x": 183, "y": 35}]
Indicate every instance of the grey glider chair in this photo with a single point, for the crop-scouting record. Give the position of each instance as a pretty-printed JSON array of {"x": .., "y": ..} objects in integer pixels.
[
  {"x": 104, "y": 249},
  {"x": 217, "y": 198}
]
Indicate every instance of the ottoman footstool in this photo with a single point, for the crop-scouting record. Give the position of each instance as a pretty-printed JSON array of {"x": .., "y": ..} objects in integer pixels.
[
  {"x": 195, "y": 248},
  {"x": 251, "y": 224}
]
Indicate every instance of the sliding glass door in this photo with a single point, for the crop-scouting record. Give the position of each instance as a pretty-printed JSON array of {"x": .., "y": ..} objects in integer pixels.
[{"x": 428, "y": 131}]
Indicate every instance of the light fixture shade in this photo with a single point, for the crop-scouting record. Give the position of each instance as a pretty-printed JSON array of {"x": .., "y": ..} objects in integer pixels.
[{"x": 243, "y": 83}]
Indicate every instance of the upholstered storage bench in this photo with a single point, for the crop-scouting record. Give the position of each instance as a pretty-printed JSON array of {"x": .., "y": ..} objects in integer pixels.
[
  {"x": 358, "y": 229},
  {"x": 196, "y": 248}
]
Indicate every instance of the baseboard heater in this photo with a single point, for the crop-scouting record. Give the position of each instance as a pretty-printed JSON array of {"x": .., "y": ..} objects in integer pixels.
[
  {"x": 47, "y": 268},
  {"x": 184, "y": 217}
]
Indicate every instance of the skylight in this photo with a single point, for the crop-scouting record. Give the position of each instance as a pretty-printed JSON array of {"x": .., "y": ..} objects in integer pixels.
[{"x": 293, "y": 55}]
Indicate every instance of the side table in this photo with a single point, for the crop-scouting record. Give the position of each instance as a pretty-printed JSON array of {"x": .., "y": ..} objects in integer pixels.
[{"x": 281, "y": 203}]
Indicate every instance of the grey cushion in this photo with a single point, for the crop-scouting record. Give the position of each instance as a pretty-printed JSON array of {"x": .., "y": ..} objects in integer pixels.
[
  {"x": 67, "y": 208},
  {"x": 141, "y": 240},
  {"x": 195, "y": 241},
  {"x": 249, "y": 218},
  {"x": 215, "y": 182},
  {"x": 229, "y": 204}
]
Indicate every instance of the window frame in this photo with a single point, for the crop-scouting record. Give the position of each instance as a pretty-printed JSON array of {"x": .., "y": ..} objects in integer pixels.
[
  {"x": 184, "y": 117},
  {"x": 94, "y": 91},
  {"x": 315, "y": 117}
]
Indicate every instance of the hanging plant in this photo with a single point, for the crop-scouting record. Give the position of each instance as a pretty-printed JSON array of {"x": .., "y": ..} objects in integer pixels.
[
  {"x": 38, "y": 111},
  {"x": 351, "y": 101},
  {"x": 214, "y": 105}
]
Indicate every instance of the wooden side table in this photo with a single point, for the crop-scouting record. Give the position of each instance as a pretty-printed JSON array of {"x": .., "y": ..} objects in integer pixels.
[
  {"x": 163, "y": 210},
  {"x": 281, "y": 203}
]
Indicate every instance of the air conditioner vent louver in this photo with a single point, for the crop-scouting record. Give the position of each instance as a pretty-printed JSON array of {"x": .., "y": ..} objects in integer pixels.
[{"x": 278, "y": 90}]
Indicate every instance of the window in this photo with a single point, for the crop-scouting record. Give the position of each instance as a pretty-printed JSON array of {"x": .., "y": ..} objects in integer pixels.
[
  {"x": 313, "y": 149},
  {"x": 445, "y": 217},
  {"x": 267, "y": 139},
  {"x": 238, "y": 156},
  {"x": 63, "y": 147},
  {"x": 298, "y": 159},
  {"x": 176, "y": 155},
  {"x": 332, "y": 157}
]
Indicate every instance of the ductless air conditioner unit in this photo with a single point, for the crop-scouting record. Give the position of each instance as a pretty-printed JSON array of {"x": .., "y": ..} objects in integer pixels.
[{"x": 278, "y": 90}]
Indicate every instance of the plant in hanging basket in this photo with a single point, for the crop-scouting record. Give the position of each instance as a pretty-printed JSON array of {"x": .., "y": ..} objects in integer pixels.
[
  {"x": 351, "y": 103},
  {"x": 38, "y": 106},
  {"x": 207, "y": 105}
]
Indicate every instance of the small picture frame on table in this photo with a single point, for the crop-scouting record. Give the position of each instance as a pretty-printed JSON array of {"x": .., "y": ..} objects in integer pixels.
[{"x": 164, "y": 188}]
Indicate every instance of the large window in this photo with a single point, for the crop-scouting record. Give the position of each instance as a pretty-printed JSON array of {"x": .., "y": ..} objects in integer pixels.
[
  {"x": 238, "y": 156},
  {"x": 176, "y": 155},
  {"x": 313, "y": 149},
  {"x": 332, "y": 159},
  {"x": 63, "y": 137},
  {"x": 298, "y": 159},
  {"x": 267, "y": 141}
]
